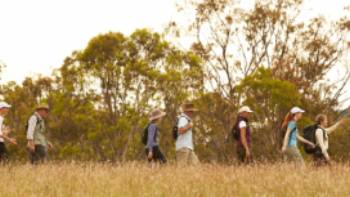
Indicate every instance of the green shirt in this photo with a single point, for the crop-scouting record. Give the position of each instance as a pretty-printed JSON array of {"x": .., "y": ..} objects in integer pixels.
[{"x": 37, "y": 130}]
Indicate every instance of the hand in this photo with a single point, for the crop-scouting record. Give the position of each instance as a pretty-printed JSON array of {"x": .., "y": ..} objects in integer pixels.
[
  {"x": 342, "y": 120},
  {"x": 312, "y": 145},
  {"x": 31, "y": 146},
  {"x": 284, "y": 149},
  {"x": 190, "y": 125},
  {"x": 248, "y": 156},
  {"x": 13, "y": 141},
  {"x": 50, "y": 146},
  {"x": 150, "y": 155}
]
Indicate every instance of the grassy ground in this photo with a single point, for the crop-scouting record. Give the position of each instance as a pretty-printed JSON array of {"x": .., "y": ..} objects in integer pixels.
[{"x": 132, "y": 179}]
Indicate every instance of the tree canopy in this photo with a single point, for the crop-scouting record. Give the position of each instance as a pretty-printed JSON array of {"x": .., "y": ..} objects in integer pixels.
[{"x": 264, "y": 57}]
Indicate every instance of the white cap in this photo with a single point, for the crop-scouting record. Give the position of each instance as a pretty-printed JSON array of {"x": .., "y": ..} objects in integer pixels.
[
  {"x": 295, "y": 110},
  {"x": 4, "y": 105},
  {"x": 245, "y": 109}
]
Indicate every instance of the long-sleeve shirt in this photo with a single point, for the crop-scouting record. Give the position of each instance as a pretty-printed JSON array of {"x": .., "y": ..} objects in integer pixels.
[
  {"x": 322, "y": 138},
  {"x": 152, "y": 136}
]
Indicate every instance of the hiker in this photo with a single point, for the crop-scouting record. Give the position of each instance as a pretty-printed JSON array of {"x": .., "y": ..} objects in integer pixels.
[
  {"x": 38, "y": 144},
  {"x": 321, "y": 155},
  {"x": 154, "y": 154},
  {"x": 242, "y": 134},
  {"x": 184, "y": 143},
  {"x": 290, "y": 148},
  {"x": 4, "y": 132}
]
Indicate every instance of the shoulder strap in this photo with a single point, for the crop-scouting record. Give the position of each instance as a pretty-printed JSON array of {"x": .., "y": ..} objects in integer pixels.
[
  {"x": 323, "y": 131},
  {"x": 294, "y": 129},
  {"x": 36, "y": 119}
]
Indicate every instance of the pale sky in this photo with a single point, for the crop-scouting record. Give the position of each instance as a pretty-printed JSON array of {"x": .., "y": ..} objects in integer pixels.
[{"x": 36, "y": 35}]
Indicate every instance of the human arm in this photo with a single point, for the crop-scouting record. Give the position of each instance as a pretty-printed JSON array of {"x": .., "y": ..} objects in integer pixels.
[
  {"x": 30, "y": 132},
  {"x": 5, "y": 136},
  {"x": 303, "y": 140},
  {"x": 184, "y": 125},
  {"x": 286, "y": 139},
  {"x": 243, "y": 132},
  {"x": 334, "y": 127}
]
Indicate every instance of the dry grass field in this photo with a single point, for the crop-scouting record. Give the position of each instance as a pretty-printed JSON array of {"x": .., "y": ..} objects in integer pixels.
[{"x": 135, "y": 179}]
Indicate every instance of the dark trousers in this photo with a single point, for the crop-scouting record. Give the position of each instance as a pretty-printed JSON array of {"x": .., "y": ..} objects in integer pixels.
[
  {"x": 39, "y": 154},
  {"x": 241, "y": 155},
  {"x": 157, "y": 155},
  {"x": 319, "y": 158},
  {"x": 3, "y": 152}
]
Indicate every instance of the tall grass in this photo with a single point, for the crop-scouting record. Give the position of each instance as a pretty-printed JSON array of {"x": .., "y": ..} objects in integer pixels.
[{"x": 137, "y": 179}]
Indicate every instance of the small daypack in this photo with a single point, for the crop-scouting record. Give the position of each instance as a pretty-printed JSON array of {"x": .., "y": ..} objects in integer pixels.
[
  {"x": 176, "y": 128},
  {"x": 310, "y": 135},
  {"x": 235, "y": 133},
  {"x": 144, "y": 137}
]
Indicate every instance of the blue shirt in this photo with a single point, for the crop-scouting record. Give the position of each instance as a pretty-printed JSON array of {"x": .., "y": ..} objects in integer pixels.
[{"x": 292, "y": 142}]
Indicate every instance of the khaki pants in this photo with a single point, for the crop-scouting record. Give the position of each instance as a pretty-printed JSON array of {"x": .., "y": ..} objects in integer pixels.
[
  {"x": 186, "y": 156},
  {"x": 293, "y": 154}
]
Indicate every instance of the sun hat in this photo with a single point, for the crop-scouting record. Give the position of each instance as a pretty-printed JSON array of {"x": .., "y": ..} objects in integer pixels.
[
  {"x": 245, "y": 109},
  {"x": 156, "y": 114},
  {"x": 4, "y": 105},
  {"x": 188, "y": 107},
  {"x": 42, "y": 106},
  {"x": 295, "y": 110}
]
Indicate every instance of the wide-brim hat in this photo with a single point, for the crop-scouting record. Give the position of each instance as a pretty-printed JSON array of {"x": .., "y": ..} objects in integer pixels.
[
  {"x": 42, "y": 106},
  {"x": 188, "y": 107},
  {"x": 156, "y": 114},
  {"x": 245, "y": 109}
]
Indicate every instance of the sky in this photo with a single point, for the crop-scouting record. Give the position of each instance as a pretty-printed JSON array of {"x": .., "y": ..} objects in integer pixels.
[{"x": 36, "y": 35}]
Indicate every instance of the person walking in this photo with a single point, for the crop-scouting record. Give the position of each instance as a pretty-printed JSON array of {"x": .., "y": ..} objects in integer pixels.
[
  {"x": 38, "y": 144},
  {"x": 154, "y": 154},
  {"x": 290, "y": 148},
  {"x": 321, "y": 155},
  {"x": 242, "y": 134},
  {"x": 185, "y": 154},
  {"x": 4, "y": 132}
]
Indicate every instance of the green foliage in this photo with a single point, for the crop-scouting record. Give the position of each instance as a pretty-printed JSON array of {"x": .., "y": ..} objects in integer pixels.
[{"x": 101, "y": 96}]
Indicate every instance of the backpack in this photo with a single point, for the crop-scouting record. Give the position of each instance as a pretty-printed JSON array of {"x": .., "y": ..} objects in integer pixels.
[
  {"x": 235, "y": 134},
  {"x": 144, "y": 138},
  {"x": 310, "y": 135},
  {"x": 176, "y": 128}
]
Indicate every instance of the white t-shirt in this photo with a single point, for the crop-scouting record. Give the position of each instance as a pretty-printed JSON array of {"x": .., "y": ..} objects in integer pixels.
[
  {"x": 184, "y": 140},
  {"x": 242, "y": 124},
  {"x": 1, "y": 128}
]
